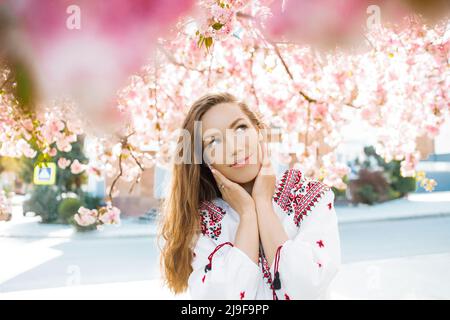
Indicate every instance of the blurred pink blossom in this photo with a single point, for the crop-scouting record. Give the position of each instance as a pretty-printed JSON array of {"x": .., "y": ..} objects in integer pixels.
[
  {"x": 86, "y": 217},
  {"x": 63, "y": 163},
  {"x": 76, "y": 167},
  {"x": 111, "y": 216}
]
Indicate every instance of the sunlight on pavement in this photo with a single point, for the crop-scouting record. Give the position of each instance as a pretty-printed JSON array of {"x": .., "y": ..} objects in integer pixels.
[
  {"x": 25, "y": 257},
  {"x": 133, "y": 290},
  {"x": 443, "y": 196},
  {"x": 397, "y": 278}
]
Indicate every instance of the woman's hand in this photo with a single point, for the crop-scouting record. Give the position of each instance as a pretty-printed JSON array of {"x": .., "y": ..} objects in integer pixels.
[
  {"x": 270, "y": 228},
  {"x": 234, "y": 194},
  {"x": 264, "y": 186},
  {"x": 247, "y": 234}
]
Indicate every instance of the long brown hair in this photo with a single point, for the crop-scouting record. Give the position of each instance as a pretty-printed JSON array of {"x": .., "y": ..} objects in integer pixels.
[{"x": 191, "y": 183}]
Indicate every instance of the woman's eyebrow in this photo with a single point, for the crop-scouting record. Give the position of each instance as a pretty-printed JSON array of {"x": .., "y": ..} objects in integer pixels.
[
  {"x": 230, "y": 126},
  {"x": 234, "y": 122}
]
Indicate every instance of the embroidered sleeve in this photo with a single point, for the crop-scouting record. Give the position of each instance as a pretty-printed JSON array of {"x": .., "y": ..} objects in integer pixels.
[
  {"x": 220, "y": 270},
  {"x": 307, "y": 263}
]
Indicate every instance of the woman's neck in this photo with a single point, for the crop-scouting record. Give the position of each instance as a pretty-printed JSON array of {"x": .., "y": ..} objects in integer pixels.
[{"x": 248, "y": 186}]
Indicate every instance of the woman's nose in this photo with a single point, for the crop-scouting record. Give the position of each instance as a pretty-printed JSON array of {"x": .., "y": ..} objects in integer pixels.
[{"x": 238, "y": 150}]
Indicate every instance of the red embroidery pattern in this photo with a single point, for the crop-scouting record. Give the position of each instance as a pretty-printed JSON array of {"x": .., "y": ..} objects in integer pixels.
[
  {"x": 211, "y": 255},
  {"x": 265, "y": 268},
  {"x": 320, "y": 243},
  {"x": 286, "y": 297},
  {"x": 330, "y": 205},
  {"x": 297, "y": 195},
  {"x": 211, "y": 217},
  {"x": 242, "y": 294},
  {"x": 266, "y": 271}
]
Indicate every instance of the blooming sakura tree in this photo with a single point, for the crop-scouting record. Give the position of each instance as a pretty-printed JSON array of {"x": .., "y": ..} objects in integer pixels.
[
  {"x": 406, "y": 80},
  {"x": 396, "y": 82},
  {"x": 5, "y": 207}
]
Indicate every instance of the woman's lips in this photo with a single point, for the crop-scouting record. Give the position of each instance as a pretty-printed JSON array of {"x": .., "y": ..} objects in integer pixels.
[{"x": 241, "y": 163}]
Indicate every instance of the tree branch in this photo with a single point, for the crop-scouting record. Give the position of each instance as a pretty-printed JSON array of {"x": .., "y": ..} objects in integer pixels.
[
  {"x": 277, "y": 51},
  {"x": 8, "y": 79},
  {"x": 174, "y": 61},
  {"x": 253, "y": 77},
  {"x": 210, "y": 66},
  {"x": 116, "y": 178}
]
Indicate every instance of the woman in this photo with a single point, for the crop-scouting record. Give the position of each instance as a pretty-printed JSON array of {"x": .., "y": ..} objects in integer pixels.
[{"x": 234, "y": 230}]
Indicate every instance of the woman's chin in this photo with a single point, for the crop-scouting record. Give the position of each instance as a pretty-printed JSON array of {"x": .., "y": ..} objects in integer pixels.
[{"x": 244, "y": 174}]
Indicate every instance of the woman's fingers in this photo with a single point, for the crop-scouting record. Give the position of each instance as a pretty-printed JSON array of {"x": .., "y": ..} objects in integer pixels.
[
  {"x": 220, "y": 178},
  {"x": 260, "y": 152},
  {"x": 265, "y": 155},
  {"x": 213, "y": 171},
  {"x": 266, "y": 167}
]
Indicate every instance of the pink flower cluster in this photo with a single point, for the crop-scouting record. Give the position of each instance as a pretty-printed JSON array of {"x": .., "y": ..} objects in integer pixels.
[
  {"x": 105, "y": 215},
  {"x": 397, "y": 86}
]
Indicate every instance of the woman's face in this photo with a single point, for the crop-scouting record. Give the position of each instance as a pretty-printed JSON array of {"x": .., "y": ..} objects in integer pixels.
[{"x": 229, "y": 137}]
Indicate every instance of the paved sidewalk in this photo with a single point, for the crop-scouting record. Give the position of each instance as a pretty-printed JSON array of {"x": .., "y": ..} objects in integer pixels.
[
  {"x": 415, "y": 205},
  {"x": 411, "y": 207},
  {"x": 30, "y": 227},
  {"x": 133, "y": 290},
  {"x": 416, "y": 277},
  {"x": 413, "y": 277}
]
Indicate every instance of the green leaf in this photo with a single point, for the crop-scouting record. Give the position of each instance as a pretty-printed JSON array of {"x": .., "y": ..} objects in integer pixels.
[
  {"x": 208, "y": 42},
  {"x": 25, "y": 89},
  {"x": 217, "y": 26},
  {"x": 200, "y": 41}
]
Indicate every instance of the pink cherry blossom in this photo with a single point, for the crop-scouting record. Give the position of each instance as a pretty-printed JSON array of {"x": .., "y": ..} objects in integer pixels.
[
  {"x": 63, "y": 163},
  {"x": 89, "y": 59},
  {"x": 63, "y": 144},
  {"x": 52, "y": 152},
  {"x": 396, "y": 85},
  {"x": 76, "y": 167},
  {"x": 111, "y": 216},
  {"x": 86, "y": 217}
]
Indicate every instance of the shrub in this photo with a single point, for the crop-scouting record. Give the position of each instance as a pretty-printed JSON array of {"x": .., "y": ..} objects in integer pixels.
[
  {"x": 370, "y": 187},
  {"x": 378, "y": 180},
  {"x": 43, "y": 202},
  {"x": 400, "y": 185},
  {"x": 91, "y": 202},
  {"x": 81, "y": 228},
  {"x": 67, "y": 208}
]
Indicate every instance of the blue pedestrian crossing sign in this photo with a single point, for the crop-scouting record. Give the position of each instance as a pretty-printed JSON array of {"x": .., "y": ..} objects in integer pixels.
[{"x": 44, "y": 173}]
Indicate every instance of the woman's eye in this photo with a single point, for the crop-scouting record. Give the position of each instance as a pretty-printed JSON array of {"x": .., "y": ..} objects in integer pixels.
[
  {"x": 212, "y": 142},
  {"x": 244, "y": 126}
]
